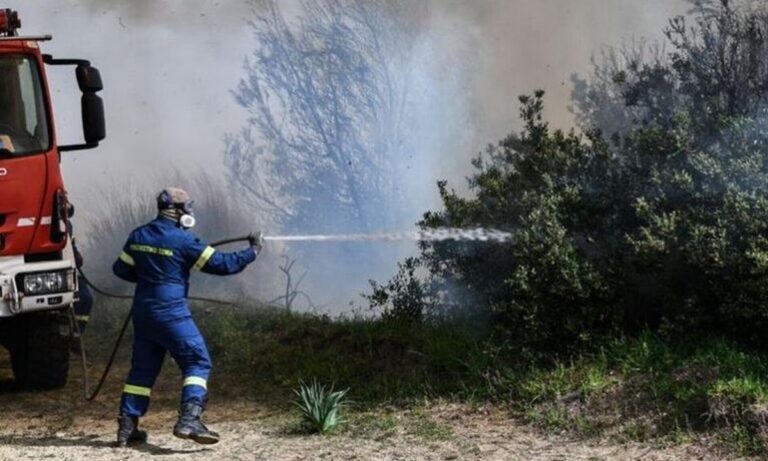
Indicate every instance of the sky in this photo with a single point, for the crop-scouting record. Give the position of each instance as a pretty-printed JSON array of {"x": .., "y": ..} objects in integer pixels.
[{"x": 169, "y": 66}]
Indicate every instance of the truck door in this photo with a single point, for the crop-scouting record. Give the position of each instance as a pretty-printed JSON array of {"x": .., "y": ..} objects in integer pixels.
[{"x": 24, "y": 141}]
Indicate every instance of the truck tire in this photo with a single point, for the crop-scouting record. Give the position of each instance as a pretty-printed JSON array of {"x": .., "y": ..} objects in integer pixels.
[{"x": 40, "y": 351}]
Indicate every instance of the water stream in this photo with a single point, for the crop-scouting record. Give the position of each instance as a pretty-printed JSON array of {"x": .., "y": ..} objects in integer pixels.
[{"x": 431, "y": 235}]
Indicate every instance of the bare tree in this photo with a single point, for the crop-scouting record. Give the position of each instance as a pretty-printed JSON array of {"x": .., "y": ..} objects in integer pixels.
[
  {"x": 292, "y": 287},
  {"x": 326, "y": 91}
]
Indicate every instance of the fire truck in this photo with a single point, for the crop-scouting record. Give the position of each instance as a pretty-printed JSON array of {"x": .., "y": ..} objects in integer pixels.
[{"x": 38, "y": 283}]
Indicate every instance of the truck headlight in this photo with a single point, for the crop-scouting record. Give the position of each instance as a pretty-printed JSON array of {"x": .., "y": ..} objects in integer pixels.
[{"x": 48, "y": 282}]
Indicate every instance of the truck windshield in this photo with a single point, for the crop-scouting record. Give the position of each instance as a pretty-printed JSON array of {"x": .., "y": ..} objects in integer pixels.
[{"x": 23, "y": 123}]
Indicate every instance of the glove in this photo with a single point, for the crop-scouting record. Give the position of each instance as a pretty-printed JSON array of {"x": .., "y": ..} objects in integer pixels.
[{"x": 256, "y": 241}]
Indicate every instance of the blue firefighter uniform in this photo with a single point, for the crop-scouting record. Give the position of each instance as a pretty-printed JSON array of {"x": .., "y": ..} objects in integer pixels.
[{"x": 158, "y": 257}]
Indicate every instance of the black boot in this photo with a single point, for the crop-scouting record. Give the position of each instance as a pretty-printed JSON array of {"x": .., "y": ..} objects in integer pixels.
[
  {"x": 190, "y": 426},
  {"x": 128, "y": 431}
]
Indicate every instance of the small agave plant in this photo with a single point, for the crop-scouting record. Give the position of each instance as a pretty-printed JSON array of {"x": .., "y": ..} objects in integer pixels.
[{"x": 320, "y": 406}]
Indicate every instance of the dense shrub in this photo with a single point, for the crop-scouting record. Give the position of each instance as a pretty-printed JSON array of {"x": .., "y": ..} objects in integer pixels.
[
  {"x": 662, "y": 227},
  {"x": 549, "y": 286},
  {"x": 691, "y": 170}
]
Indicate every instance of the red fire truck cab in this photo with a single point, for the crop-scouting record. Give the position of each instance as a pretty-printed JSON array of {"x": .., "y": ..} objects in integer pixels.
[{"x": 37, "y": 270}]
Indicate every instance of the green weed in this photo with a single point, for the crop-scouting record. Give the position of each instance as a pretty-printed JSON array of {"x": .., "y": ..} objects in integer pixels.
[{"x": 319, "y": 406}]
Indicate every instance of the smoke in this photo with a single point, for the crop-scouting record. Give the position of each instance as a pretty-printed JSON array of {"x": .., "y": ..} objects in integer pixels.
[
  {"x": 520, "y": 46},
  {"x": 210, "y": 15},
  {"x": 169, "y": 67}
]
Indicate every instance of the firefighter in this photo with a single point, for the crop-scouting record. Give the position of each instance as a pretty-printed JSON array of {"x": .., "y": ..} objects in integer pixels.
[{"x": 158, "y": 257}]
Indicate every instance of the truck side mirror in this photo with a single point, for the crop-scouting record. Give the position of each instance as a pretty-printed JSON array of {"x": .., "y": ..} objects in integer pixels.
[
  {"x": 89, "y": 79},
  {"x": 92, "y": 107}
]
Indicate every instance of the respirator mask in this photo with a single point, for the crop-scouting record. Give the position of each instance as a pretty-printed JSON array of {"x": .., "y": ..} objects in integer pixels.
[{"x": 187, "y": 219}]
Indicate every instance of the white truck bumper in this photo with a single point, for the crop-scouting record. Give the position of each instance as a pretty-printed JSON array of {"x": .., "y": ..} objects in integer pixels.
[{"x": 13, "y": 301}]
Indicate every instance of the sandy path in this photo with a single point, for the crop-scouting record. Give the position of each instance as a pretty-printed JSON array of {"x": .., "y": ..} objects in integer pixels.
[{"x": 486, "y": 434}]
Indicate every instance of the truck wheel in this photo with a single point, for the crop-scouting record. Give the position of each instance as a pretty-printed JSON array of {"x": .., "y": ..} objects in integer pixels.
[{"x": 40, "y": 351}]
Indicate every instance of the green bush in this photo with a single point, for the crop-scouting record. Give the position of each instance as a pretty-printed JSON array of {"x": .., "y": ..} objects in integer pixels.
[
  {"x": 662, "y": 228},
  {"x": 552, "y": 286}
]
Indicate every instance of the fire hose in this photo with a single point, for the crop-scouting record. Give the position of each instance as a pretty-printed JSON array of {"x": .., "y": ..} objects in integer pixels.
[{"x": 76, "y": 328}]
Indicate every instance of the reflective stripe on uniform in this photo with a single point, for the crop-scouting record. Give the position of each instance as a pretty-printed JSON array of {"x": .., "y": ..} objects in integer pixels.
[
  {"x": 137, "y": 390},
  {"x": 204, "y": 257},
  {"x": 82, "y": 318},
  {"x": 196, "y": 381},
  {"x": 152, "y": 250},
  {"x": 126, "y": 258}
]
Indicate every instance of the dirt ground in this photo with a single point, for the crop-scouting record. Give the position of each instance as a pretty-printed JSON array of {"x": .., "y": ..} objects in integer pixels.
[{"x": 60, "y": 425}]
